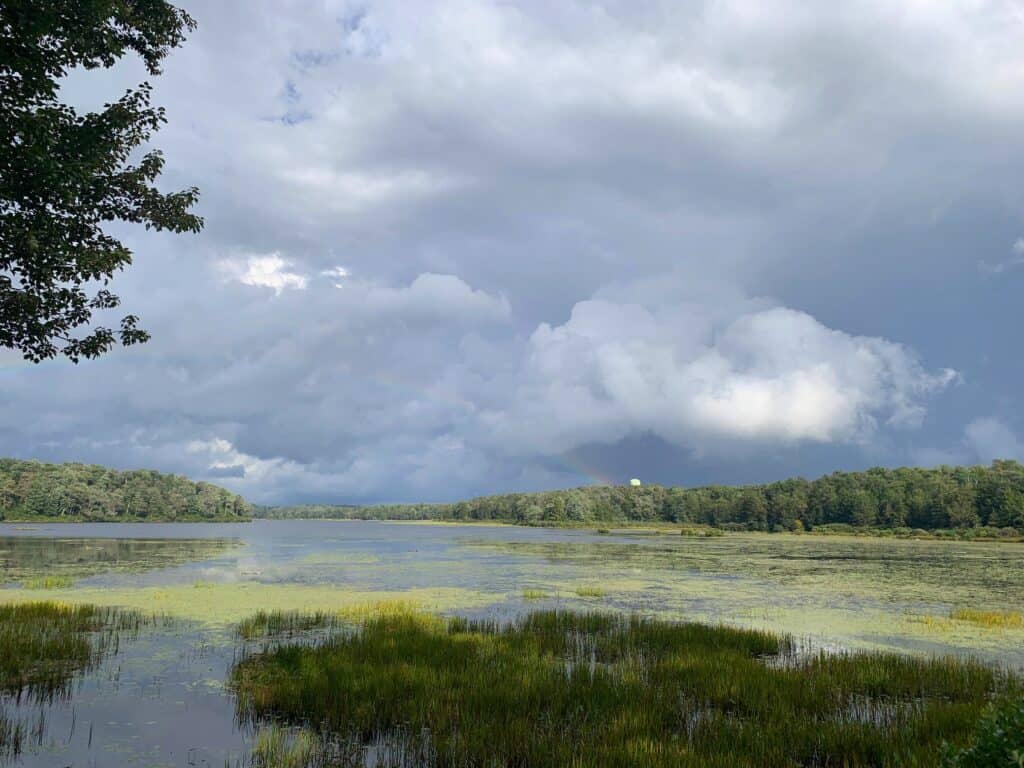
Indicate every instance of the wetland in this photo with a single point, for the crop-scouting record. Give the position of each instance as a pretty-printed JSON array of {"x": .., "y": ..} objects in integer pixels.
[{"x": 174, "y": 641}]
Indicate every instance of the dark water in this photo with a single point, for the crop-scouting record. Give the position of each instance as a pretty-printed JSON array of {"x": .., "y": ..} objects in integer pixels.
[{"x": 160, "y": 700}]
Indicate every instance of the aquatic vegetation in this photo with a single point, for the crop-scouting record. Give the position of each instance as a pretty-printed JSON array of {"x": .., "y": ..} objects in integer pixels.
[
  {"x": 277, "y": 747},
  {"x": 339, "y": 558},
  {"x": 47, "y": 582},
  {"x": 703, "y": 532},
  {"x": 282, "y": 624},
  {"x": 586, "y": 591},
  {"x": 43, "y": 646},
  {"x": 991, "y": 619},
  {"x": 534, "y": 594},
  {"x": 999, "y": 741},
  {"x": 586, "y": 689},
  {"x": 225, "y": 604}
]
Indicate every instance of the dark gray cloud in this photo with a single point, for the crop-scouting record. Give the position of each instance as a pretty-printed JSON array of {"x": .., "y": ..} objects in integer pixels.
[{"x": 505, "y": 245}]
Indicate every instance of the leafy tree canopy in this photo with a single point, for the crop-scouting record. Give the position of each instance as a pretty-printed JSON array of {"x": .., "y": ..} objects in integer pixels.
[
  {"x": 32, "y": 490},
  {"x": 978, "y": 501},
  {"x": 63, "y": 175}
]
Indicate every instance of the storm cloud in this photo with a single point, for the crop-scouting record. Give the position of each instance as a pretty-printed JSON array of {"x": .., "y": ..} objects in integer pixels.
[{"x": 490, "y": 246}]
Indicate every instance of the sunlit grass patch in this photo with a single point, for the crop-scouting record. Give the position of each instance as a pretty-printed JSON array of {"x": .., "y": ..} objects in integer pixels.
[
  {"x": 278, "y": 624},
  {"x": 701, "y": 531},
  {"x": 588, "y": 591},
  {"x": 47, "y": 582},
  {"x": 586, "y": 689},
  {"x": 534, "y": 594},
  {"x": 224, "y": 604},
  {"x": 277, "y": 747},
  {"x": 270, "y": 624},
  {"x": 990, "y": 619}
]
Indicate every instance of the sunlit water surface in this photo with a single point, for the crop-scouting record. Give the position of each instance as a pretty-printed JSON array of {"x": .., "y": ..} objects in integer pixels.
[{"x": 160, "y": 700}]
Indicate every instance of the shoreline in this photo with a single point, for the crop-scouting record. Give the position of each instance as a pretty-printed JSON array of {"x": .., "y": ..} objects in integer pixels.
[{"x": 650, "y": 528}]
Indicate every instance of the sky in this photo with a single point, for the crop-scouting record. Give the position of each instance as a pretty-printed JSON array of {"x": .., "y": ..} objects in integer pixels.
[{"x": 455, "y": 248}]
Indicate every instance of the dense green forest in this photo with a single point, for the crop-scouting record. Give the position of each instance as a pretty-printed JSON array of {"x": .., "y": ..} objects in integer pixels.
[
  {"x": 31, "y": 490},
  {"x": 987, "y": 500}
]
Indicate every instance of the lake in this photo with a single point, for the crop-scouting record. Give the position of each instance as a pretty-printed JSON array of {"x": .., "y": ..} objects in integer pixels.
[{"x": 160, "y": 699}]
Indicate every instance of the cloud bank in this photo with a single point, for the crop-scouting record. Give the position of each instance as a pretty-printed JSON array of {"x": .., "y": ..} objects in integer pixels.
[{"x": 454, "y": 252}]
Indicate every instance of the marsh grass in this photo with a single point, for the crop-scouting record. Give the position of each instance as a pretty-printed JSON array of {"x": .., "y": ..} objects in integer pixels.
[
  {"x": 701, "y": 531},
  {"x": 585, "y": 591},
  {"x": 587, "y": 689},
  {"x": 43, "y": 646},
  {"x": 271, "y": 625},
  {"x": 47, "y": 582},
  {"x": 990, "y": 619},
  {"x": 276, "y": 624},
  {"x": 277, "y": 747},
  {"x": 534, "y": 594}
]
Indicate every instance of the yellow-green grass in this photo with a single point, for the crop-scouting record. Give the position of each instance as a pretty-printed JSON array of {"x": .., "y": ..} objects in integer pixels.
[
  {"x": 47, "y": 582},
  {"x": 225, "y": 604},
  {"x": 534, "y": 594},
  {"x": 990, "y": 619},
  {"x": 277, "y": 624},
  {"x": 277, "y": 747},
  {"x": 588, "y": 591},
  {"x": 587, "y": 689}
]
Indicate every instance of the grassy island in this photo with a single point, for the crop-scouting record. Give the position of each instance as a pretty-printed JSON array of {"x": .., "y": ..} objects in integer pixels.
[{"x": 585, "y": 689}]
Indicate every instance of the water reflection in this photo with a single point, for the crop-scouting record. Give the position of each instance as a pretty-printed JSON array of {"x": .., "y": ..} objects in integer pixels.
[{"x": 62, "y": 560}]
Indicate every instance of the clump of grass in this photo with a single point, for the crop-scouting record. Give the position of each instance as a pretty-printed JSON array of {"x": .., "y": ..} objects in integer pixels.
[
  {"x": 604, "y": 531},
  {"x": 990, "y": 619},
  {"x": 268, "y": 625},
  {"x": 534, "y": 594},
  {"x": 702, "y": 532},
  {"x": 47, "y": 582},
  {"x": 277, "y": 747},
  {"x": 558, "y": 688},
  {"x": 394, "y": 607},
  {"x": 273, "y": 624},
  {"x": 43, "y": 645},
  {"x": 585, "y": 591}
]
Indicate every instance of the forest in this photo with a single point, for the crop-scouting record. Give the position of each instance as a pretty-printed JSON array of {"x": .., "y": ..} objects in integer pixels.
[
  {"x": 985, "y": 500},
  {"x": 32, "y": 490}
]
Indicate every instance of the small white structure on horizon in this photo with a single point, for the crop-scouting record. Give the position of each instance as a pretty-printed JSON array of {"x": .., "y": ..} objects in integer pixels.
[{"x": 635, "y": 482}]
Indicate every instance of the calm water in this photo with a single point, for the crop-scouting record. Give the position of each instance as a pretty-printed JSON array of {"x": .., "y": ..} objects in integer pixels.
[{"x": 160, "y": 701}]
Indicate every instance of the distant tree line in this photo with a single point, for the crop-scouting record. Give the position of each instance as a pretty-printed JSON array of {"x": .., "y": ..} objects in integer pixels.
[
  {"x": 31, "y": 490},
  {"x": 985, "y": 499}
]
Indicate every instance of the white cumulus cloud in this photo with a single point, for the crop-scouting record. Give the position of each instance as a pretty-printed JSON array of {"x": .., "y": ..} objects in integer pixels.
[
  {"x": 271, "y": 271},
  {"x": 615, "y": 370}
]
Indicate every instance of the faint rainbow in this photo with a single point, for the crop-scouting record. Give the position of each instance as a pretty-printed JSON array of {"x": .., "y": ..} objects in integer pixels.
[{"x": 570, "y": 461}]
